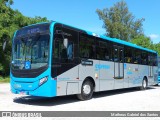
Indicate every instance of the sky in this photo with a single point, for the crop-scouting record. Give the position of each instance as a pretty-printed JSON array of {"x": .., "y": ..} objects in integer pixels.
[{"x": 82, "y": 13}]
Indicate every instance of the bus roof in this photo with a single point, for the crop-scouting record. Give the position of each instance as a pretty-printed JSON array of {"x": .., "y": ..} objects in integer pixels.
[
  {"x": 103, "y": 37},
  {"x": 120, "y": 41},
  {"x": 114, "y": 40}
]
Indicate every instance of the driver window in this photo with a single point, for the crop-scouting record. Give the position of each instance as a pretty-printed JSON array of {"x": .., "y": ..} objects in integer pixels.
[{"x": 64, "y": 53}]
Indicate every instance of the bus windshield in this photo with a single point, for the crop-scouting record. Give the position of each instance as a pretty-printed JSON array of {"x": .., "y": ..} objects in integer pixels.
[{"x": 30, "y": 52}]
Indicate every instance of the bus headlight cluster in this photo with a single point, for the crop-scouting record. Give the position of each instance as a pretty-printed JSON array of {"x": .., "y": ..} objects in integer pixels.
[{"x": 43, "y": 80}]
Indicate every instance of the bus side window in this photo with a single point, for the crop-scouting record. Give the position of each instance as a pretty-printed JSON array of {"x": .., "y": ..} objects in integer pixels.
[
  {"x": 155, "y": 63},
  {"x": 128, "y": 54},
  {"x": 137, "y": 56},
  {"x": 106, "y": 55},
  {"x": 103, "y": 50},
  {"x": 86, "y": 53},
  {"x": 87, "y": 47},
  {"x": 56, "y": 49},
  {"x": 144, "y": 57},
  {"x": 63, "y": 52},
  {"x": 66, "y": 53}
]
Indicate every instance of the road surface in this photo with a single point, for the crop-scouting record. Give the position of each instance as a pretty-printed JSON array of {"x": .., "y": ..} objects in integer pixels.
[{"x": 115, "y": 100}]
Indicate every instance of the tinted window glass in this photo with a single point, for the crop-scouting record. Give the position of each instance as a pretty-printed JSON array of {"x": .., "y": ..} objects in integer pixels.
[
  {"x": 128, "y": 55},
  {"x": 152, "y": 59},
  {"x": 144, "y": 58},
  {"x": 65, "y": 53},
  {"x": 87, "y": 46},
  {"x": 116, "y": 54},
  {"x": 103, "y": 50},
  {"x": 155, "y": 63},
  {"x": 136, "y": 56}
]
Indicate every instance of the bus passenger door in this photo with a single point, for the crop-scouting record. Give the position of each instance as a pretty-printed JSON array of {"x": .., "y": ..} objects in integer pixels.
[
  {"x": 118, "y": 67},
  {"x": 150, "y": 72},
  {"x": 150, "y": 69}
]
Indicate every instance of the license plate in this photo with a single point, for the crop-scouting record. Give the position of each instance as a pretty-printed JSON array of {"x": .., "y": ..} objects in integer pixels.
[{"x": 22, "y": 93}]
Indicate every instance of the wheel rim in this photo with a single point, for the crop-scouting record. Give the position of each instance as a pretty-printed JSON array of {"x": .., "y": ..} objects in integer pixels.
[
  {"x": 144, "y": 84},
  {"x": 86, "y": 89}
]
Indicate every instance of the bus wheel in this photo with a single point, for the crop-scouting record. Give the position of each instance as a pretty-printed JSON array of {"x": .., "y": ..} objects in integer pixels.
[
  {"x": 144, "y": 84},
  {"x": 86, "y": 90}
]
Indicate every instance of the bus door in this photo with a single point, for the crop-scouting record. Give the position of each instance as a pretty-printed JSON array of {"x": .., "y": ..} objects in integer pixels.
[
  {"x": 118, "y": 66},
  {"x": 150, "y": 67},
  {"x": 150, "y": 72}
]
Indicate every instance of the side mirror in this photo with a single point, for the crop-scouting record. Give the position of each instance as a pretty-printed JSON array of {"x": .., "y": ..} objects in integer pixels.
[
  {"x": 4, "y": 45},
  {"x": 65, "y": 42}
]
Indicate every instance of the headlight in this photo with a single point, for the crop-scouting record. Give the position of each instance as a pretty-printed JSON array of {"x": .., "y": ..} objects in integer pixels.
[{"x": 43, "y": 80}]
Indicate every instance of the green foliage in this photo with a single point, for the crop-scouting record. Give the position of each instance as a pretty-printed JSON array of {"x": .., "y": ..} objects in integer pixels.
[
  {"x": 146, "y": 42},
  {"x": 119, "y": 22},
  {"x": 157, "y": 48},
  {"x": 10, "y": 21},
  {"x": 143, "y": 41},
  {"x": 4, "y": 79}
]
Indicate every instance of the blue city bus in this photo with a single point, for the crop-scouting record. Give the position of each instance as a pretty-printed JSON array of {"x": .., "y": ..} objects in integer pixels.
[{"x": 54, "y": 59}]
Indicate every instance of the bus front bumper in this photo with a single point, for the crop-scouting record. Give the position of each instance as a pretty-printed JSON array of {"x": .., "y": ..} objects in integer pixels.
[{"x": 47, "y": 89}]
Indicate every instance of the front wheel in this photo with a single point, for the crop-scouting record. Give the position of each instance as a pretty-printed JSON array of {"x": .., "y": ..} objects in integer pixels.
[
  {"x": 86, "y": 90},
  {"x": 144, "y": 84}
]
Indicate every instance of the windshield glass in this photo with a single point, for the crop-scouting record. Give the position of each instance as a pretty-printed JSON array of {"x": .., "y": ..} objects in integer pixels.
[{"x": 31, "y": 51}]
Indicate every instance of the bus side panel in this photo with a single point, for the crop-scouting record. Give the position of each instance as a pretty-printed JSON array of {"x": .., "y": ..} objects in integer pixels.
[
  {"x": 133, "y": 73},
  {"x": 48, "y": 89},
  {"x": 127, "y": 74},
  {"x": 143, "y": 71},
  {"x": 70, "y": 76},
  {"x": 106, "y": 76},
  {"x": 90, "y": 71}
]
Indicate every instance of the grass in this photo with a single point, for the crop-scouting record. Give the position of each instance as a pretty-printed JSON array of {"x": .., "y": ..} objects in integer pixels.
[{"x": 4, "y": 79}]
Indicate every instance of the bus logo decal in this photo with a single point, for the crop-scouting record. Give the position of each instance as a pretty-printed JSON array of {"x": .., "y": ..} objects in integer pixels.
[
  {"x": 27, "y": 65},
  {"x": 100, "y": 66}
]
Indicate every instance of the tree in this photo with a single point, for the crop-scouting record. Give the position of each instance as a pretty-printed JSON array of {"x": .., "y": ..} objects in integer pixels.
[
  {"x": 157, "y": 48},
  {"x": 6, "y": 2},
  {"x": 10, "y": 21},
  {"x": 120, "y": 23},
  {"x": 143, "y": 41},
  {"x": 5, "y": 34}
]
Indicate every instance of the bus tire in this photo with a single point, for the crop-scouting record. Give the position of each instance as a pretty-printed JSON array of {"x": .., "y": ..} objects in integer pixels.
[
  {"x": 144, "y": 84},
  {"x": 86, "y": 90}
]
